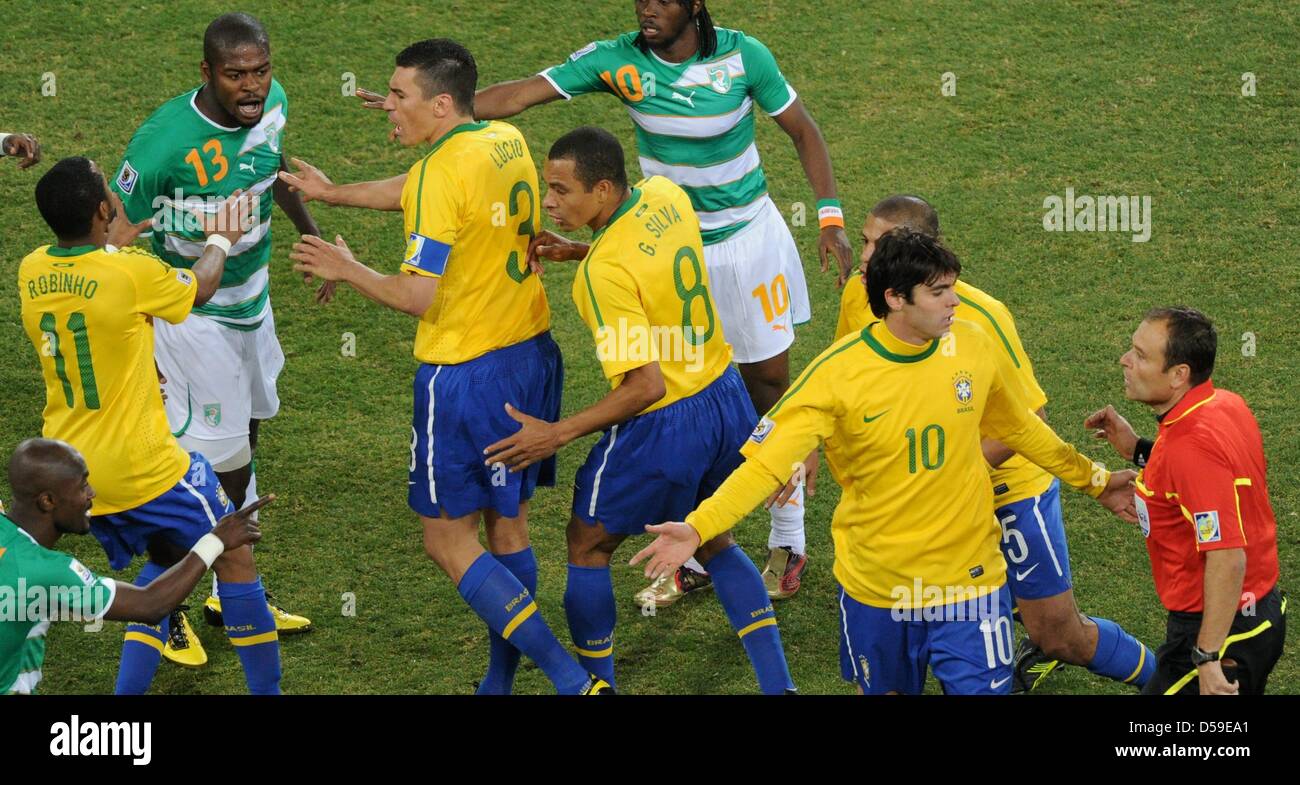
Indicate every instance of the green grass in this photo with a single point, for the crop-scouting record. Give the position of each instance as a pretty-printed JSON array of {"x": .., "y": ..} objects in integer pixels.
[{"x": 1107, "y": 98}]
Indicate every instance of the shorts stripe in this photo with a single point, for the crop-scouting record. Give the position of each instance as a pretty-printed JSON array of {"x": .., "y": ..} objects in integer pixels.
[
  {"x": 768, "y": 622},
  {"x": 433, "y": 489},
  {"x": 848, "y": 642},
  {"x": 148, "y": 640},
  {"x": 1042, "y": 527},
  {"x": 253, "y": 640},
  {"x": 211, "y": 518},
  {"x": 519, "y": 619},
  {"x": 1142, "y": 659},
  {"x": 595, "y": 485},
  {"x": 1178, "y": 685}
]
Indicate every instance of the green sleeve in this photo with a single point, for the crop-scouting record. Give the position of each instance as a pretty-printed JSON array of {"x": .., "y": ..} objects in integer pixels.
[
  {"x": 580, "y": 74},
  {"x": 767, "y": 84},
  {"x": 142, "y": 176},
  {"x": 76, "y": 593}
]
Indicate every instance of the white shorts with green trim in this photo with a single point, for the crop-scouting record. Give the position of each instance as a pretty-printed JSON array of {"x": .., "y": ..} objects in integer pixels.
[
  {"x": 758, "y": 286},
  {"x": 218, "y": 378}
]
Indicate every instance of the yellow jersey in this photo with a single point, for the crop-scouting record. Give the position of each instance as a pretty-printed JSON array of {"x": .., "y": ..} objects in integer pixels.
[
  {"x": 470, "y": 208},
  {"x": 1017, "y": 478},
  {"x": 643, "y": 291},
  {"x": 87, "y": 311},
  {"x": 901, "y": 425}
]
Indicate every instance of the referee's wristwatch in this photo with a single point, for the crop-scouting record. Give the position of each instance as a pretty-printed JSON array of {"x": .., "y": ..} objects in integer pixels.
[{"x": 1200, "y": 656}]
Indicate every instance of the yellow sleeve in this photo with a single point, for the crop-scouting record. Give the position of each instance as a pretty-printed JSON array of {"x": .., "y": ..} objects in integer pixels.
[
  {"x": 855, "y": 311},
  {"x": 1037, "y": 398},
  {"x": 161, "y": 291},
  {"x": 619, "y": 322},
  {"x": 1008, "y": 418},
  {"x": 436, "y": 211},
  {"x": 778, "y": 445}
]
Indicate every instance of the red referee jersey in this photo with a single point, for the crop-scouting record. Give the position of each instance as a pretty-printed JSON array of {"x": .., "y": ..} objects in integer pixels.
[{"x": 1204, "y": 489}]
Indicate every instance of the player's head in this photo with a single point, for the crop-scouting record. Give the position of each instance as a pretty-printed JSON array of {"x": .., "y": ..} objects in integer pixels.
[
  {"x": 1173, "y": 350},
  {"x": 910, "y": 212},
  {"x": 910, "y": 278},
  {"x": 237, "y": 66},
  {"x": 49, "y": 479},
  {"x": 585, "y": 178},
  {"x": 73, "y": 199},
  {"x": 662, "y": 22},
  {"x": 432, "y": 86}
]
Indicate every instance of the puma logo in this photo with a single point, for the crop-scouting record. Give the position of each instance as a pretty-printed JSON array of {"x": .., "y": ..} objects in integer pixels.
[
  {"x": 689, "y": 100},
  {"x": 248, "y": 166}
]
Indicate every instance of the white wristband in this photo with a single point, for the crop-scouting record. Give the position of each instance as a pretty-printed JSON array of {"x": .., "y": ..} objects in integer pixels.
[
  {"x": 220, "y": 242},
  {"x": 208, "y": 548}
]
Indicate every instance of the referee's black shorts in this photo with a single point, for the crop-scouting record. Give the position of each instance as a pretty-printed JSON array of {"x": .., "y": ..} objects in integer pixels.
[{"x": 1253, "y": 647}]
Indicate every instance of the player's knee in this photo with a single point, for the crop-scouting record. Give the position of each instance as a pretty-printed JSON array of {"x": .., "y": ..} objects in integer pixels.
[
  {"x": 1063, "y": 637},
  {"x": 714, "y": 546},
  {"x": 589, "y": 545},
  {"x": 236, "y": 566}
]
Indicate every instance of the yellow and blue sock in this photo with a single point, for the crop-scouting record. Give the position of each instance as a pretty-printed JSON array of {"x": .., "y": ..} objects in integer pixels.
[
  {"x": 503, "y": 659},
  {"x": 251, "y": 628},
  {"x": 142, "y": 646},
  {"x": 1120, "y": 656},
  {"x": 508, "y": 608},
  {"x": 592, "y": 612},
  {"x": 739, "y": 587}
]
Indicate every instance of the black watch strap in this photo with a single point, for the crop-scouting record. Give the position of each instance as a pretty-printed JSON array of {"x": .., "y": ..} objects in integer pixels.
[
  {"x": 1142, "y": 452},
  {"x": 1200, "y": 657}
]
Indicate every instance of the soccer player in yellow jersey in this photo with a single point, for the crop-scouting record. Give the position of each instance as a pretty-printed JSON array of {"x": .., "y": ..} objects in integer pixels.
[
  {"x": 677, "y": 412},
  {"x": 1026, "y": 498},
  {"x": 88, "y": 308},
  {"x": 900, "y": 407},
  {"x": 483, "y": 341}
]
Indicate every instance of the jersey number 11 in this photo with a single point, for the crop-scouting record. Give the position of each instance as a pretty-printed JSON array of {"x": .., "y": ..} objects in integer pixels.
[{"x": 85, "y": 368}]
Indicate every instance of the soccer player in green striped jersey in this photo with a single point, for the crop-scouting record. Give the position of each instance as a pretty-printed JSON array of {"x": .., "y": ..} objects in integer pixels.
[
  {"x": 690, "y": 89},
  {"x": 221, "y": 364}
]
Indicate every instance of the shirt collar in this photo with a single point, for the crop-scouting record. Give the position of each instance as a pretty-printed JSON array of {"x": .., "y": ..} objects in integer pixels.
[{"x": 1192, "y": 400}]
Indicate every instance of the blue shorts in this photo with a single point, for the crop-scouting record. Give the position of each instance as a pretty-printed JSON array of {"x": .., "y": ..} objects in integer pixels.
[
  {"x": 1033, "y": 543},
  {"x": 967, "y": 644},
  {"x": 180, "y": 516},
  {"x": 461, "y": 409},
  {"x": 658, "y": 466}
]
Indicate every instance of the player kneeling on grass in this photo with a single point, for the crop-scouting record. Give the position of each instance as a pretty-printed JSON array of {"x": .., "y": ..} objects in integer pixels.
[
  {"x": 53, "y": 497},
  {"x": 678, "y": 412},
  {"x": 900, "y": 407}
]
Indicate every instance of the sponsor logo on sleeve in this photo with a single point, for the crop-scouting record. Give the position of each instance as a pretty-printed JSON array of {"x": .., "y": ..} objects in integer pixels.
[
  {"x": 762, "y": 430},
  {"x": 1207, "y": 526},
  {"x": 127, "y": 178},
  {"x": 86, "y": 576},
  {"x": 584, "y": 51}
]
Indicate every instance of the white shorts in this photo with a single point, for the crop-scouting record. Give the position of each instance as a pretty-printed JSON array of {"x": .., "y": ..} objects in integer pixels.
[
  {"x": 757, "y": 282},
  {"x": 218, "y": 379}
]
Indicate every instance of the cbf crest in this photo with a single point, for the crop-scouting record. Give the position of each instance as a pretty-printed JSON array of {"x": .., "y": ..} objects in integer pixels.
[
  {"x": 964, "y": 389},
  {"x": 720, "y": 78}
]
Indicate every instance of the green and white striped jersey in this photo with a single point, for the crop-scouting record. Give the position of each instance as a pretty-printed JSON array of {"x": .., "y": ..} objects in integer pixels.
[
  {"x": 694, "y": 120},
  {"x": 38, "y": 586},
  {"x": 178, "y": 154}
]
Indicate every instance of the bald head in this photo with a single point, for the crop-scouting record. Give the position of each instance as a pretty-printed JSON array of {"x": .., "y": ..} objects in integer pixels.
[
  {"x": 910, "y": 212},
  {"x": 41, "y": 466}
]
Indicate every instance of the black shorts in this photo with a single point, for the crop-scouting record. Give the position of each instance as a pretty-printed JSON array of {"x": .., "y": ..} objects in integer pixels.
[{"x": 1253, "y": 648}]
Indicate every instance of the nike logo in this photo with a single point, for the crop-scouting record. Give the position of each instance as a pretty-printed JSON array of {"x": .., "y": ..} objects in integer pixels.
[
  {"x": 1020, "y": 576},
  {"x": 999, "y": 682},
  {"x": 877, "y": 417}
]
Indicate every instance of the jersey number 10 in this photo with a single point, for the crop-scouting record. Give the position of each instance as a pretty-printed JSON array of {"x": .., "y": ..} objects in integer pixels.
[{"x": 85, "y": 368}]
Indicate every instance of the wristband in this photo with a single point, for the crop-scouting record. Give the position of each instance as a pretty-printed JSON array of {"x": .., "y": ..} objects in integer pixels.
[
  {"x": 830, "y": 213},
  {"x": 220, "y": 242},
  {"x": 1142, "y": 452},
  {"x": 4, "y": 137},
  {"x": 208, "y": 548}
]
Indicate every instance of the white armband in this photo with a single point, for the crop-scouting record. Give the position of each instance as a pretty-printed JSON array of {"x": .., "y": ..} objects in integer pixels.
[{"x": 208, "y": 548}]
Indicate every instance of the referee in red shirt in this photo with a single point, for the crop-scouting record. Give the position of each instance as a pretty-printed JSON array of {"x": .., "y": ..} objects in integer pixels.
[{"x": 1202, "y": 502}]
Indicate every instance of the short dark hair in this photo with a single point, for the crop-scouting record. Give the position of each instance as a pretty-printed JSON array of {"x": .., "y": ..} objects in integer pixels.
[
  {"x": 444, "y": 66},
  {"x": 904, "y": 259},
  {"x": 703, "y": 25},
  {"x": 1193, "y": 340},
  {"x": 68, "y": 196},
  {"x": 910, "y": 211},
  {"x": 596, "y": 156},
  {"x": 231, "y": 31}
]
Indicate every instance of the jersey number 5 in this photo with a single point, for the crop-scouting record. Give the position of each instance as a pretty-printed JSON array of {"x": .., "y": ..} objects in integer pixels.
[{"x": 85, "y": 368}]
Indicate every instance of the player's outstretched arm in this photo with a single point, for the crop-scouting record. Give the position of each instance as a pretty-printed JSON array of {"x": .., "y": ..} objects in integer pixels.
[
  {"x": 24, "y": 147},
  {"x": 538, "y": 439},
  {"x": 816, "y": 160},
  {"x": 232, "y": 218},
  {"x": 406, "y": 292},
  {"x": 507, "y": 99},
  {"x": 1110, "y": 425},
  {"x": 312, "y": 184},
  {"x": 149, "y": 604}
]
